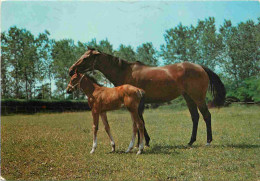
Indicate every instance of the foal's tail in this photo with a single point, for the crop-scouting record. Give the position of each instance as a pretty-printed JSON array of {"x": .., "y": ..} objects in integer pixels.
[{"x": 217, "y": 88}]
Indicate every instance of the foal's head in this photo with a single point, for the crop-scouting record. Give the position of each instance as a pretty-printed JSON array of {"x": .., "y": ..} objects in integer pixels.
[{"x": 74, "y": 83}]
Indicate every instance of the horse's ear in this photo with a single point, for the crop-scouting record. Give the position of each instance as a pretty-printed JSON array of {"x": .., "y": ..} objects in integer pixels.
[
  {"x": 89, "y": 48},
  {"x": 96, "y": 52}
]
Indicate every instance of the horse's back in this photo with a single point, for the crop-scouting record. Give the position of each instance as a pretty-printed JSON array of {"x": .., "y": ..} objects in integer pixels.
[{"x": 168, "y": 82}]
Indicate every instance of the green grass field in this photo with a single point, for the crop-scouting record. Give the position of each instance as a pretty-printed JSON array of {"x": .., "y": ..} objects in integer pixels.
[{"x": 56, "y": 147}]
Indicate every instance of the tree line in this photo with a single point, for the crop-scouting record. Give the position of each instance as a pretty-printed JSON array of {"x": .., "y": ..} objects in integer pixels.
[{"x": 31, "y": 65}]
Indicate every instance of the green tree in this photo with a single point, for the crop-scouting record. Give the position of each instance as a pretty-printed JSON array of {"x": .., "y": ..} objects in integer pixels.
[
  {"x": 44, "y": 47},
  {"x": 5, "y": 75},
  {"x": 175, "y": 49},
  {"x": 63, "y": 55},
  {"x": 199, "y": 44},
  {"x": 126, "y": 52},
  {"x": 104, "y": 46},
  {"x": 240, "y": 58},
  {"x": 147, "y": 54},
  {"x": 208, "y": 43},
  {"x": 20, "y": 49}
]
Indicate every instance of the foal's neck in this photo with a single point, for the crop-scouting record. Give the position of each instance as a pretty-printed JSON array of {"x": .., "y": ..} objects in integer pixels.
[{"x": 88, "y": 86}]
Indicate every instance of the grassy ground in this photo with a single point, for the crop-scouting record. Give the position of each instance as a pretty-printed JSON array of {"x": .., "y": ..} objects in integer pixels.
[{"x": 56, "y": 146}]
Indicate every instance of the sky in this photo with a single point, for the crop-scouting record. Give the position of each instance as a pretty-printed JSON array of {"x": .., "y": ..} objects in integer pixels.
[{"x": 121, "y": 22}]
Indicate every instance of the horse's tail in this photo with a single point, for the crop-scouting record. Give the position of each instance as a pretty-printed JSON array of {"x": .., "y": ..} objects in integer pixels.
[
  {"x": 140, "y": 93},
  {"x": 141, "y": 107},
  {"x": 217, "y": 88}
]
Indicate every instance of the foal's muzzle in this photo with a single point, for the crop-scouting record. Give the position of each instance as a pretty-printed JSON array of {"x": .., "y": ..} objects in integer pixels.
[
  {"x": 71, "y": 88},
  {"x": 68, "y": 90}
]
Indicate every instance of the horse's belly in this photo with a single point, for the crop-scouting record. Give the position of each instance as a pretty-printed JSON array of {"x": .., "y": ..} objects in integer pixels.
[{"x": 161, "y": 93}]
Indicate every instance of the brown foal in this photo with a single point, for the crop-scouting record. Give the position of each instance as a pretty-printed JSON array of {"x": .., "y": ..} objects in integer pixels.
[{"x": 102, "y": 99}]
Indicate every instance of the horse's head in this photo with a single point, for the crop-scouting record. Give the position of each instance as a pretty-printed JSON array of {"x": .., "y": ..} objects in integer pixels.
[
  {"x": 74, "y": 82},
  {"x": 86, "y": 62}
]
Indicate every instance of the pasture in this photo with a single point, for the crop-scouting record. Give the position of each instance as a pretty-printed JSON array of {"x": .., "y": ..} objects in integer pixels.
[{"x": 56, "y": 146}]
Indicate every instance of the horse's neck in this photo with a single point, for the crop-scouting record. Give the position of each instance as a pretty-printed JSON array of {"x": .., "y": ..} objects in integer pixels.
[
  {"x": 88, "y": 86},
  {"x": 111, "y": 67}
]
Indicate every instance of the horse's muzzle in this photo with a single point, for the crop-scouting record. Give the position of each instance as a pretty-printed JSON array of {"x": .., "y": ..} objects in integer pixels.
[{"x": 71, "y": 72}]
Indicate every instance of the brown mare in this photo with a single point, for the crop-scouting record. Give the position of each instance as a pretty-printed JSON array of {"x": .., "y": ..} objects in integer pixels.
[
  {"x": 102, "y": 99},
  {"x": 161, "y": 84}
]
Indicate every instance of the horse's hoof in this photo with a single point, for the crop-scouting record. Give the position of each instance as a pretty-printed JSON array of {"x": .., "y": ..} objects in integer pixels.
[
  {"x": 208, "y": 144},
  {"x": 189, "y": 145},
  {"x": 92, "y": 151},
  {"x": 147, "y": 145}
]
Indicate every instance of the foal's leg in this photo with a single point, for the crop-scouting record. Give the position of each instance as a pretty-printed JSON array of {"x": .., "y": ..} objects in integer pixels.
[
  {"x": 132, "y": 142},
  {"x": 140, "y": 127},
  {"x": 146, "y": 136},
  {"x": 107, "y": 128},
  {"x": 194, "y": 116},
  {"x": 95, "y": 129},
  {"x": 207, "y": 118}
]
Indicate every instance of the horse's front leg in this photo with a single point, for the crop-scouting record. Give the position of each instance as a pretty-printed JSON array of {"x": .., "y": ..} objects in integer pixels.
[
  {"x": 95, "y": 129},
  {"x": 107, "y": 128}
]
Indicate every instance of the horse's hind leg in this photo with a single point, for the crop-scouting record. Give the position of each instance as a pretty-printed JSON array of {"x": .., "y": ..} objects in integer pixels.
[
  {"x": 194, "y": 116},
  {"x": 207, "y": 118},
  {"x": 107, "y": 128},
  {"x": 141, "y": 108}
]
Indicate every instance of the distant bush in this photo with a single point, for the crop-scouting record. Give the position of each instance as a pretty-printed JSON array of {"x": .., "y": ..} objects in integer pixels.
[{"x": 248, "y": 91}]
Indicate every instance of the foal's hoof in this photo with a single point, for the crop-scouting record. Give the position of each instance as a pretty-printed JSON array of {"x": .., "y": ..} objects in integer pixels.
[
  {"x": 92, "y": 151},
  {"x": 207, "y": 144},
  {"x": 113, "y": 148},
  {"x": 128, "y": 150},
  {"x": 139, "y": 152}
]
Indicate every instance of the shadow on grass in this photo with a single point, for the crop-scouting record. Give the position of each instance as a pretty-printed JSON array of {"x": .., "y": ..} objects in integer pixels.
[
  {"x": 167, "y": 149},
  {"x": 239, "y": 146},
  {"x": 176, "y": 149}
]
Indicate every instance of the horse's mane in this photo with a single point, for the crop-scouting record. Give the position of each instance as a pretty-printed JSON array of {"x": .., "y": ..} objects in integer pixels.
[
  {"x": 118, "y": 60},
  {"x": 91, "y": 78}
]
